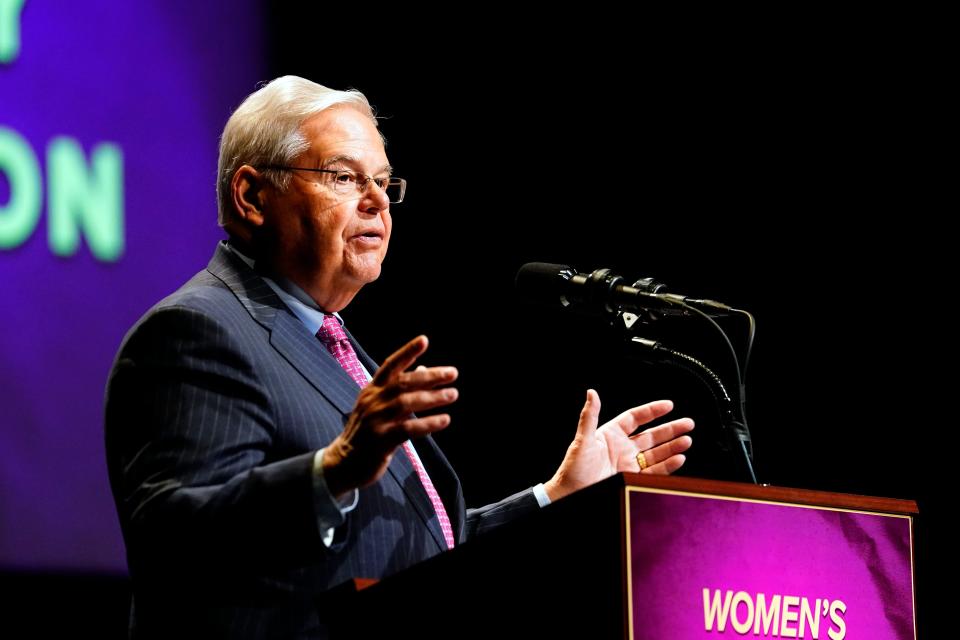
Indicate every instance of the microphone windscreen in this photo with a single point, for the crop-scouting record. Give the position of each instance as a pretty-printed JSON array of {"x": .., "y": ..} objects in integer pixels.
[{"x": 544, "y": 282}]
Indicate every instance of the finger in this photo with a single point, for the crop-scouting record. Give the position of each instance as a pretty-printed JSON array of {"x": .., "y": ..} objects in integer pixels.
[
  {"x": 414, "y": 401},
  {"x": 401, "y": 359},
  {"x": 410, "y": 402},
  {"x": 630, "y": 419},
  {"x": 394, "y": 433},
  {"x": 662, "y": 433},
  {"x": 666, "y": 467},
  {"x": 589, "y": 415},
  {"x": 665, "y": 451},
  {"x": 424, "y": 378},
  {"x": 418, "y": 427}
]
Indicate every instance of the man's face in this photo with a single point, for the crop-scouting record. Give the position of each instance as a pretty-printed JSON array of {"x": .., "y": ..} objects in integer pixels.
[{"x": 328, "y": 243}]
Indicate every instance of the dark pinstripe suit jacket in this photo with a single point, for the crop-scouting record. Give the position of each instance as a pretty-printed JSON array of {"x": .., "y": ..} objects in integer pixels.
[{"x": 217, "y": 401}]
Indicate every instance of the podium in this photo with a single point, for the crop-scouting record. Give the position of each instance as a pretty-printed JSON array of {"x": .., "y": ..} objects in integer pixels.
[{"x": 664, "y": 558}]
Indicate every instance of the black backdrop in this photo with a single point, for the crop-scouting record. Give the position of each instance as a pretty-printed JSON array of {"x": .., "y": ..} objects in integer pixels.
[
  {"x": 788, "y": 185},
  {"x": 792, "y": 175}
]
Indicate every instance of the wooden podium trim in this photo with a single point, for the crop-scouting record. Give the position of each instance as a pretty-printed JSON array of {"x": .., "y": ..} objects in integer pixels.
[{"x": 767, "y": 493}]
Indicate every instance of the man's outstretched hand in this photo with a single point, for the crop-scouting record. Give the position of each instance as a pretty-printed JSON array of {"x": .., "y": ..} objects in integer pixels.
[{"x": 596, "y": 454}]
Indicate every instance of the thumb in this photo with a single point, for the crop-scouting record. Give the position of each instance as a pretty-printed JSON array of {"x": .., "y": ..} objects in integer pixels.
[{"x": 590, "y": 415}]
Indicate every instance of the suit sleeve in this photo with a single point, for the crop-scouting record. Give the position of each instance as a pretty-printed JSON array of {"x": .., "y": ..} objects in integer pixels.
[
  {"x": 188, "y": 433},
  {"x": 492, "y": 516}
]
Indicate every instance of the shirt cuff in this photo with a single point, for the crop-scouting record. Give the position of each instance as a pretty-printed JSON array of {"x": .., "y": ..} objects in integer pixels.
[
  {"x": 540, "y": 492},
  {"x": 329, "y": 512}
]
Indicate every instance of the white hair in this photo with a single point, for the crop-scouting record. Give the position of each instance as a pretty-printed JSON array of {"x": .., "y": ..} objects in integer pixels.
[{"x": 265, "y": 130}]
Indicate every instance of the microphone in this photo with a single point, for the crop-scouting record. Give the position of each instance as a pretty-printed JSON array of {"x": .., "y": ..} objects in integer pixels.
[{"x": 552, "y": 283}]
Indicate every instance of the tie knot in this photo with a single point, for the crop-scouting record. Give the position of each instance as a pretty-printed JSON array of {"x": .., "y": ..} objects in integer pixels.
[
  {"x": 334, "y": 338},
  {"x": 330, "y": 332}
]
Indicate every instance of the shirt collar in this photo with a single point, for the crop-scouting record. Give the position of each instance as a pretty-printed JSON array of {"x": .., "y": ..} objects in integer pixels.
[{"x": 296, "y": 299}]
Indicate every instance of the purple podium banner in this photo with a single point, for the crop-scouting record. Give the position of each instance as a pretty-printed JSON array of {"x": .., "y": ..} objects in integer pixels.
[{"x": 717, "y": 567}]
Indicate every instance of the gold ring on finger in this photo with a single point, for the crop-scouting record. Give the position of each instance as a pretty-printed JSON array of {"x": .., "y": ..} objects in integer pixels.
[{"x": 642, "y": 461}]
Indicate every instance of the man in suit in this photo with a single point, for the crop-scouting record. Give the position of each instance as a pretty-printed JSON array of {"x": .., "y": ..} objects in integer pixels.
[{"x": 257, "y": 455}]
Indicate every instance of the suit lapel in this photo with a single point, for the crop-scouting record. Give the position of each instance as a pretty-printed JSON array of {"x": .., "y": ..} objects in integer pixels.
[
  {"x": 309, "y": 357},
  {"x": 402, "y": 471},
  {"x": 312, "y": 359},
  {"x": 445, "y": 481},
  {"x": 287, "y": 334}
]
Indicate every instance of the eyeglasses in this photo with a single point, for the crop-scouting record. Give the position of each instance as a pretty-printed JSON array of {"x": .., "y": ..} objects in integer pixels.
[{"x": 346, "y": 182}]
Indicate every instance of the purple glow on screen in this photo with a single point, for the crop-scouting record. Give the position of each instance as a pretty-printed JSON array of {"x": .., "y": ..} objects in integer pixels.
[{"x": 157, "y": 80}]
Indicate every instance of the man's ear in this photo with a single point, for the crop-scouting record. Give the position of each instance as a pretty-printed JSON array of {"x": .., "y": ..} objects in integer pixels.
[{"x": 246, "y": 189}]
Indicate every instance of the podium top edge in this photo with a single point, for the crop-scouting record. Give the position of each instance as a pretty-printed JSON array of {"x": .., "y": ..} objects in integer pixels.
[{"x": 772, "y": 493}]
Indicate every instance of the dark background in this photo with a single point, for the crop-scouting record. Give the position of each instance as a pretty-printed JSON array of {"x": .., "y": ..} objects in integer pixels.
[{"x": 792, "y": 176}]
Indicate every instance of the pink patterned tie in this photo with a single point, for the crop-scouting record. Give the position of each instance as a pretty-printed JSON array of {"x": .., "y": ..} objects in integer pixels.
[{"x": 332, "y": 335}]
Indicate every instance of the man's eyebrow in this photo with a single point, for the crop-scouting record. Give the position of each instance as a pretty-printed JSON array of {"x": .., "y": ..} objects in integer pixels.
[{"x": 344, "y": 158}]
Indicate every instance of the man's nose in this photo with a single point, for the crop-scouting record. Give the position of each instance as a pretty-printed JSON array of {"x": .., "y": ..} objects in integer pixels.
[{"x": 374, "y": 198}]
